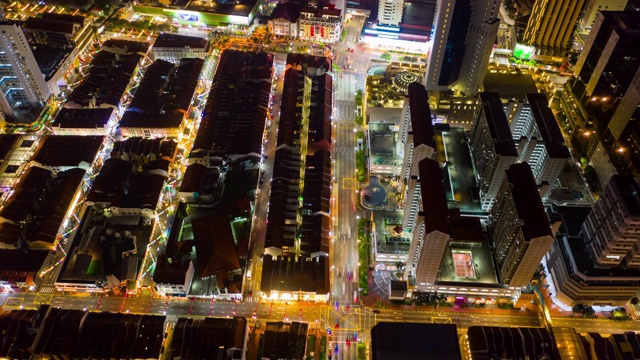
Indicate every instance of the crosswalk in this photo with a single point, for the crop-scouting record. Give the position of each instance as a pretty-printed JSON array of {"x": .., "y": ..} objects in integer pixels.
[{"x": 345, "y": 87}]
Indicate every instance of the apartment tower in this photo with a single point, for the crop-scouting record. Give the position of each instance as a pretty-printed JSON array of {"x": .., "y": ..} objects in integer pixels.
[
  {"x": 519, "y": 227},
  {"x": 23, "y": 86},
  {"x": 612, "y": 228}
]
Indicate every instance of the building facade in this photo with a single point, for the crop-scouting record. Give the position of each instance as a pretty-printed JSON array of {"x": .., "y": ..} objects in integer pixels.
[
  {"x": 492, "y": 147},
  {"x": 419, "y": 144},
  {"x": 593, "y": 7},
  {"x": 173, "y": 47},
  {"x": 320, "y": 25},
  {"x": 520, "y": 229},
  {"x": 612, "y": 229},
  {"x": 551, "y": 26},
  {"x": 390, "y": 12},
  {"x": 603, "y": 97},
  {"x": 23, "y": 86},
  {"x": 481, "y": 35}
]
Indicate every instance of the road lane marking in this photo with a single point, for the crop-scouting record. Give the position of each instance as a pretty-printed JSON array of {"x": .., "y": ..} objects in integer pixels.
[
  {"x": 43, "y": 299},
  {"x": 17, "y": 302},
  {"x": 349, "y": 183}
]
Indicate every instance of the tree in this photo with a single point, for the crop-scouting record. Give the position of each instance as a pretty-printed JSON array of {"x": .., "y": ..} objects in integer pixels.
[
  {"x": 362, "y": 351},
  {"x": 385, "y": 56},
  {"x": 635, "y": 301}
]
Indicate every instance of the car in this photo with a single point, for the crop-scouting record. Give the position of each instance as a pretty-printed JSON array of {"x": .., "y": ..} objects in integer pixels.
[
  {"x": 376, "y": 311},
  {"x": 336, "y": 305},
  {"x": 328, "y": 331},
  {"x": 336, "y": 349},
  {"x": 337, "y": 324},
  {"x": 348, "y": 342}
]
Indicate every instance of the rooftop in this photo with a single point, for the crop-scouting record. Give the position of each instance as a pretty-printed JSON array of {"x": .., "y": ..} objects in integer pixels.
[
  {"x": 289, "y": 275},
  {"x": 516, "y": 343},
  {"x": 289, "y": 11},
  {"x": 208, "y": 338},
  {"x": 414, "y": 341},
  {"x": 509, "y": 86},
  {"x": 58, "y": 151},
  {"x": 235, "y": 113},
  {"x": 548, "y": 126},
  {"x": 498, "y": 124},
  {"x": 215, "y": 246},
  {"x": 168, "y": 40},
  {"x": 527, "y": 201},
  {"x": 434, "y": 201},
  {"x": 83, "y": 118},
  {"x": 421, "y": 123}
]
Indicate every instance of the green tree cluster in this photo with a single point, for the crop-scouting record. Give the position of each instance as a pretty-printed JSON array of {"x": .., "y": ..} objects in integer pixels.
[{"x": 361, "y": 166}]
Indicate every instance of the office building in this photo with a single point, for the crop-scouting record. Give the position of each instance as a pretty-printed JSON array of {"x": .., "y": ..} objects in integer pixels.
[
  {"x": 390, "y": 12},
  {"x": 593, "y": 7},
  {"x": 418, "y": 144},
  {"x": 463, "y": 36},
  {"x": 612, "y": 229},
  {"x": 24, "y": 89},
  {"x": 520, "y": 229},
  {"x": 493, "y": 149},
  {"x": 601, "y": 102},
  {"x": 551, "y": 25},
  {"x": 492, "y": 342},
  {"x": 445, "y": 58},
  {"x": 481, "y": 35}
]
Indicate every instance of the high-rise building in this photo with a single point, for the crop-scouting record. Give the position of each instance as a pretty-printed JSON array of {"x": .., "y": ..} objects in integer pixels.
[
  {"x": 481, "y": 36},
  {"x": 520, "y": 227},
  {"x": 448, "y": 46},
  {"x": 604, "y": 97},
  {"x": 612, "y": 228},
  {"x": 419, "y": 144},
  {"x": 390, "y": 12},
  {"x": 492, "y": 147},
  {"x": 592, "y": 8},
  {"x": 23, "y": 86},
  {"x": 432, "y": 231},
  {"x": 538, "y": 139},
  {"x": 551, "y": 25}
]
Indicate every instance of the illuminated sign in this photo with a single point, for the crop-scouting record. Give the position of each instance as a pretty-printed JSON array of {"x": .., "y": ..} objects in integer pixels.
[
  {"x": 184, "y": 16},
  {"x": 523, "y": 51}
]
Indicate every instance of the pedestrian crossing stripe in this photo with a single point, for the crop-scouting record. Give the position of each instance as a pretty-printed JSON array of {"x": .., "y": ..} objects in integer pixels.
[{"x": 346, "y": 125}]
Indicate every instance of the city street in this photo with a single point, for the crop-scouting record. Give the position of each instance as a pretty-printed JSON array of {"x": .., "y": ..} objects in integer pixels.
[
  {"x": 259, "y": 226},
  {"x": 356, "y": 319}
]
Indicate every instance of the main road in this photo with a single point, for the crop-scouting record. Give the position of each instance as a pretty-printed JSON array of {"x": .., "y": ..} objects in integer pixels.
[{"x": 356, "y": 319}]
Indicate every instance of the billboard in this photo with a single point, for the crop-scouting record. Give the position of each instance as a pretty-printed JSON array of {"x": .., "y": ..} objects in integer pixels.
[
  {"x": 188, "y": 16},
  {"x": 523, "y": 52}
]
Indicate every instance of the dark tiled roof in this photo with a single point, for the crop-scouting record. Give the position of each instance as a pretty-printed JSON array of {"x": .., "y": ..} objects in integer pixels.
[
  {"x": 64, "y": 17},
  {"x": 215, "y": 246},
  {"x": 152, "y": 86},
  {"x": 51, "y": 25},
  {"x": 198, "y": 177},
  {"x": 83, "y": 118},
  {"x": 289, "y": 11},
  {"x": 208, "y": 338},
  {"x": 236, "y": 109},
  {"x": 305, "y": 61},
  {"x": 490, "y": 342},
  {"x": 67, "y": 150},
  {"x": 287, "y": 274},
  {"x": 421, "y": 124},
  {"x": 414, "y": 341},
  {"x": 527, "y": 200},
  {"x": 183, "y": 84},
  {"x": 7, "y": 143},
  {"x": 47, "y": 212},
  {"x": 168, "y": 40},
  {"x": 22, "y": 260}
]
